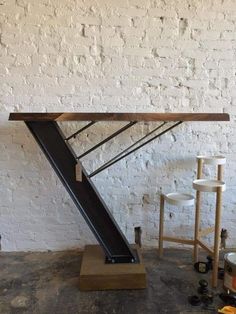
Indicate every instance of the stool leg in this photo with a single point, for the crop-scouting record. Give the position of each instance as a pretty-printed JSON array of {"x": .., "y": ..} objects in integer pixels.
[
  {"x": 199, "y": 168},
  {"x": 197, "y": 226},
  {"x": 197, "y": 212},
  {"x": 217, "y": 238},
  {"x": 220, "y": 172},
  {"x": 161, "y": 225}
]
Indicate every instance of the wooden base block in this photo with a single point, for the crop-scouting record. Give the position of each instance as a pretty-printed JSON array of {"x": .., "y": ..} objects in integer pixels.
[{"x": 95, "y": 274}]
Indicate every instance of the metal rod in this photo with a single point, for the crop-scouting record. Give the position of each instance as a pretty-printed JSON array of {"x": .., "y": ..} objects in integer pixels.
[
  {"x": 116, "y": 159},
  {"x": 107, "y": 139},
  {"x": 80, "y": 130},
  {"x": 128, "y": 148}
]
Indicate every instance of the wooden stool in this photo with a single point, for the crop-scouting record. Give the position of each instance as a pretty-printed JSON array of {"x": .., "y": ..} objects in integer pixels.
[
  {"x": 177, "y": 199},
  {"x": 214, "y": 186}
]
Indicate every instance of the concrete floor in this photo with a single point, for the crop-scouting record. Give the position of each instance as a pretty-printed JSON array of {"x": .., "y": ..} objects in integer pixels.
[{"x": 42, "y": 283}]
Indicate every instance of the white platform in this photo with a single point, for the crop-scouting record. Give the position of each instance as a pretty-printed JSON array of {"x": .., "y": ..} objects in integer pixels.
[
  {"x": 205, "y": 185},
  {"x": 179, "y": 199}
]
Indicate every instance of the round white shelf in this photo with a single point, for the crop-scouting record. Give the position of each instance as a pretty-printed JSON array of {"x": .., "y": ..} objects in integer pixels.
[
  {"x": 205, "y": 185},
  {"x": 179, "y": 199},
  {"x": 213, "y": 160}
]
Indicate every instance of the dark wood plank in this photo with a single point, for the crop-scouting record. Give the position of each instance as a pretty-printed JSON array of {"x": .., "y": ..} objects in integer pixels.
[
  {"x": 96, "y": 275},
  {"x": 90, "y": 116}
]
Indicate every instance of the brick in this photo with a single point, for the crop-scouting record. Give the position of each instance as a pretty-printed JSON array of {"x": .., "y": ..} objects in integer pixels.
[
  {"x": 198, "y": 24},
  {"x": 91, "y": 31},
  {"x": 186, "y": 44},
  {"x": 157, "y": 12},
  {"x": 12, "y": 11},
  {"x": 227, "y": 64},
  {"x": 216, "y": 44},
  {"x": 223, "y": 25},
  {"x": 117, "y": 21},
  {"x": 29, "y": 49},
  {"x": 23, "y": 60},
  {"x": 88, "y": 20},
  {"x": 195, "y": 54},
  {"x": 134, "y": 12},
  {"x": 137, "y": 52},
  {"x": 167, "y": 52},
  {"x": 195, "y": 83},
  {"x": 136, "y": 42},
  {"x": 206, "y": 34},
  {"x": 139, "y": 4},
  {"x": 133, "y": 32},
  {"x": 41, "y": 9},
  {"x": 229, "y": 35},
  {"x": 115, "y": 41},
  {"x": 222, "y": 55},
  {"x": 153, "y": 32}
]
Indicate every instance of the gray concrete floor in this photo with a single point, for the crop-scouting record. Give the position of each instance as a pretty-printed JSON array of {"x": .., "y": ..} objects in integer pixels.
[{"x": 42, "y": 283}]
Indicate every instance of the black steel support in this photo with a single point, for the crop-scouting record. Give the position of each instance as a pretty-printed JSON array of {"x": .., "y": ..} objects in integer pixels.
[
  {"x": 84, "y": 194},
  {"x": 122, "y": 154},
  {"x": 127, "y": 126},
  {"x": 80, "y": 130}
]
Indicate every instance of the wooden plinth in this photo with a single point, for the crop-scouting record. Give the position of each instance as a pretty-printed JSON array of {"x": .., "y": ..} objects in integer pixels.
[{"x": 96, "y": 275}]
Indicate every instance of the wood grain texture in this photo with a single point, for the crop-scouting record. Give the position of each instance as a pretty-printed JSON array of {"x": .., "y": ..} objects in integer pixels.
[
  {"x": 178, "y": 240},
  {"x": 78, "y": 172},
  {"x": 96, "y": 275},
  {"x": 91, "y": 116}
]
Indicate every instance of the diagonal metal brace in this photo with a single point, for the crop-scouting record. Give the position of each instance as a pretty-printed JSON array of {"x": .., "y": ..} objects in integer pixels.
[
  {"x": 128, "y": 148},
  {"x": 80, "y": 130},
  {"x": 122, "y": 155},
  {"x": 127, "y": 126}
]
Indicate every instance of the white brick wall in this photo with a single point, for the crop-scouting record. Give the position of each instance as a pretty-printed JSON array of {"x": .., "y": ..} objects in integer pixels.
[{"x": 131, "y": 55}]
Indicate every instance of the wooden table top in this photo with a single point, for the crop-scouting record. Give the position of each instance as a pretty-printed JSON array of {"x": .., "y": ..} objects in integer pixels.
[{"x": 92, "y": 116}]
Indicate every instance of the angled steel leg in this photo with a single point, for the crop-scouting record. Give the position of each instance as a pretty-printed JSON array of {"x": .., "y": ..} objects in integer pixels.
[{"x": 84, "y": 194}]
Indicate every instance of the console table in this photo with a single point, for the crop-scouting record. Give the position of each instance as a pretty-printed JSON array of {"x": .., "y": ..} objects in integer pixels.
[{"x": 115, "y": 264}]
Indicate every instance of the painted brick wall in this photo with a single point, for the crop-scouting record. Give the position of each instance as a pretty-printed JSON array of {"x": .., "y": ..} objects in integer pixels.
[{"x": 130, "y": 55}]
